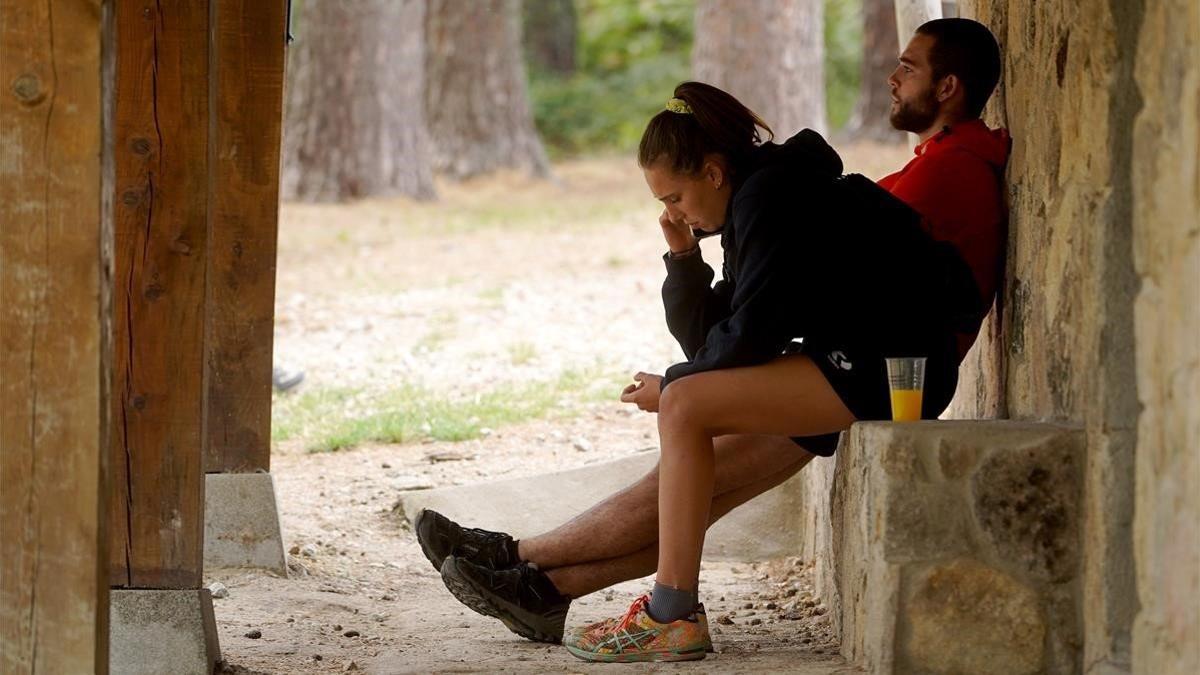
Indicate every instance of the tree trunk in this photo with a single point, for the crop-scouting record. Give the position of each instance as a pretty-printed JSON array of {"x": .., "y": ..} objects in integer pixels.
[
  {"x": 767, "y": 53},
  {"x": 869, "y": 120},
  {"x": 476, "y": 97},
  {"x": 355, "y": 120},
  {"x": 551, "y": 31}
]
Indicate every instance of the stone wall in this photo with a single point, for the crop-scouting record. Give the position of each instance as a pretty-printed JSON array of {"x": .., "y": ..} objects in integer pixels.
[
  {"x": 1166, "y": 239},
  {"x": 1061, "y": 347},
  {"x": 956, "y": 547}
]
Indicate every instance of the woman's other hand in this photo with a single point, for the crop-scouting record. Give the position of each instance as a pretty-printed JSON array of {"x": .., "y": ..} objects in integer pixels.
[
  {"x": 678, "y": 235},
  {"x": 644, "y": 392}
]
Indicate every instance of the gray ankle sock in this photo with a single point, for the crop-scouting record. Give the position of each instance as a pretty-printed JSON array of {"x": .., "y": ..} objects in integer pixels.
[{"x": 670, "y": 604}]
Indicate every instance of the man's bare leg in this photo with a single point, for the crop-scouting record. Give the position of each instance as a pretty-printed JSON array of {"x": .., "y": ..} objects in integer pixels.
[
  {"x": 627, "y": 522},
  {"x": 578, "y": 580}
]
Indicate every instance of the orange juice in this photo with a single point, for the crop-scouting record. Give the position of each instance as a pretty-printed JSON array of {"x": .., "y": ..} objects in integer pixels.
[{"x": 906, "y": 405}]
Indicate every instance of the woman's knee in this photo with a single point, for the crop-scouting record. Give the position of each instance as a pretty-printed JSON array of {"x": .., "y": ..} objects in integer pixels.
[{"x": 682, "y": 406}]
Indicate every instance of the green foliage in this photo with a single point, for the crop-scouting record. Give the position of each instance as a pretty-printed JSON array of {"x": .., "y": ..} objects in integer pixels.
[
  {"x": 843, "y": 58},
  {"x": 632, "y": 53}
]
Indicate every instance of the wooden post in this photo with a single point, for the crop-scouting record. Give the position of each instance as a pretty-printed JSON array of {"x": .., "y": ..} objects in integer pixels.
[
  {"x": 248, "y": 64},
  {"x": 161, "y": 152},
  {"x": 55, "y": 234}
]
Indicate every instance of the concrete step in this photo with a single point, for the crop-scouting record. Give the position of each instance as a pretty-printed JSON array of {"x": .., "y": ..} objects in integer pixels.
[
  {"x": 765, "y": 527},
  {"x": 953, "y": 547}
]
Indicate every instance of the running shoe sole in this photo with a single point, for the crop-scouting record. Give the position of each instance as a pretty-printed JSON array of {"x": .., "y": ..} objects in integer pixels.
[
  {"x": 636, "y": 657},
  {"x": 429, "y": 555},
  {"x": 536, "y": 627}
]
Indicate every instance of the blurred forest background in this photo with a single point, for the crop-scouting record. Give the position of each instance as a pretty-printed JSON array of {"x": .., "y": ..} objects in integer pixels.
[
  {"x": 384, "y": 94},
  {"x": 466, "y": 242}
]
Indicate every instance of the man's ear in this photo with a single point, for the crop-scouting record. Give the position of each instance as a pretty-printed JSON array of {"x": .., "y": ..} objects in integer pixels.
[{"x": 947, "y": 87}]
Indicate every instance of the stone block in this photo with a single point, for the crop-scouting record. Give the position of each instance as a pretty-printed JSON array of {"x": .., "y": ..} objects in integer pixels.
[
  {"x": 153, "y": 632},
  {"x": 241, "y": 522},
  {"x": 966, "y": 617},
  {"x": 1026, "y": 501},
  {"x": 768, "y": 526},
  {"x": 952, "y": 546}
]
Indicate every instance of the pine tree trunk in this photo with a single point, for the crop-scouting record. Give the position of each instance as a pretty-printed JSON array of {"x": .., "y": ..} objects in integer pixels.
[
  {"x": 355, "y": 119},
  {"x": 767, "y": 53},
  {"x": 869, "y": 120},
  {"x": 476, "y": 97},
  {"x": 551, "y": 32}
]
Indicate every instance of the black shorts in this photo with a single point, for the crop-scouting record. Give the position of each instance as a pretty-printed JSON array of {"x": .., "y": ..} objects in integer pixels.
[{"x": 859, "y": 376}]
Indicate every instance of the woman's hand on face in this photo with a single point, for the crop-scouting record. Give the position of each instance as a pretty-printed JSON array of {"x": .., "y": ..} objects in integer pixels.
[
  {"x": 678, "y": 235},
  {"x": 644, "y": 392}
]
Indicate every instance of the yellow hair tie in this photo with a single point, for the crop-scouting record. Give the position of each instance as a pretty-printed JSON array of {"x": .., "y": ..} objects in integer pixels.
[{"x": 678, "y": 105}]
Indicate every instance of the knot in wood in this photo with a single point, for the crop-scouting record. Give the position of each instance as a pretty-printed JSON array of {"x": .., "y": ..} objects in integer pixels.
[{"x": 28, "y": 89}]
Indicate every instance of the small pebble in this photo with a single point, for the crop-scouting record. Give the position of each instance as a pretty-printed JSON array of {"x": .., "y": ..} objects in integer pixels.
[
  {"x": 582, "y": 445},
  {"x": 724, "y": 620},
  {"x": 748, "y": 605},
  {"x": 308, "y": 551},
  {"x": 218, "y": 590},
  {"x": 771, "y": 605},
  {"x": 318, "y": 657},
  {"x": 385, "y": 465},
  {"x": 351, "y": 633},
  {"x": 254, "y": 634},
  {"x": 755, "y": 622},
  {"x": 351, "y": 666},
  {"x": 294, "y": 550}
]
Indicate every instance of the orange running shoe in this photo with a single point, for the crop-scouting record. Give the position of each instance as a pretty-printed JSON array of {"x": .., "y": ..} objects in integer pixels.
[{"x": 637, "y": 637}]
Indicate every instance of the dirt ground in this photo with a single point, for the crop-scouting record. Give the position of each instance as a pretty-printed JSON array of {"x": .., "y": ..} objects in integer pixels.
[{"x": 504, "y": 281}]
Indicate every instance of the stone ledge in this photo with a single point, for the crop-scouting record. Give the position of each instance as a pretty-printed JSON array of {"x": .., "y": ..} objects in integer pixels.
[
  {"x": 767, "y": 526},
  {"x": 946, "y": 534}
]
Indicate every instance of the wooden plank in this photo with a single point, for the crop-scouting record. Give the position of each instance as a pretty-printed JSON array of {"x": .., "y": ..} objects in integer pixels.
[
  {"x": 248, "y": 62},
  {"x": 53, "y": 331},
  {"x": 161, "y": 157}
]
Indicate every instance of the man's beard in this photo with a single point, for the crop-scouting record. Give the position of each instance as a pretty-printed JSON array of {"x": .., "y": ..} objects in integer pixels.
[{"x": 915, "y": 116}]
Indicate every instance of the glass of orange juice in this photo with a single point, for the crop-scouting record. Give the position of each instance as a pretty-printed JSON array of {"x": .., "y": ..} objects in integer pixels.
[{"x": 906, "y": 379}]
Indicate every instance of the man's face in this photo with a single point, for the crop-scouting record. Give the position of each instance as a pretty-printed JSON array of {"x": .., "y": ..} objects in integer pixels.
[{"x": 914, "y": 102}]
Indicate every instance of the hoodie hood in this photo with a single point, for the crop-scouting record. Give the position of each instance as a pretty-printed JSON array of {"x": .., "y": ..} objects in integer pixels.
[
  {"x": 973, "y": 136},
  {"x": 807, "y": 151}
]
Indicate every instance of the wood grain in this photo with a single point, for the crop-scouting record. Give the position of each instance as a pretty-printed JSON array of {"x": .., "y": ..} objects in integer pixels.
[
  {"x": 248, "y": 65},
  {"x": 161, "y": 244},
  {"x": 54, "y": 364}
]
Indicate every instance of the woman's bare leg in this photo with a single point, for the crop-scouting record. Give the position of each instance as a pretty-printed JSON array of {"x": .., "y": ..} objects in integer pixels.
[
  {"x": 579, "y": 580},
  {"x": 787, "y": 397},
  {"x": 627, "y": 521}
]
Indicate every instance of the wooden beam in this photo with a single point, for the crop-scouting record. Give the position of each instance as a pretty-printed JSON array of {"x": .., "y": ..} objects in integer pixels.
[
  {"x": 161, "y": 154},
  {"x": 54, "y": 342},
  {"x": 248, "y": 64}
]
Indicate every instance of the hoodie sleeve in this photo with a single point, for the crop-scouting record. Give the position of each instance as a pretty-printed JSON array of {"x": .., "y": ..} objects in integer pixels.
[
  {"x": 693, "y": 305},
  {"x": 752, "y": 332}
]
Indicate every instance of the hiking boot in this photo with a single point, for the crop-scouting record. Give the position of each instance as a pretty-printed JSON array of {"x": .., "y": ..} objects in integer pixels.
[
  {"x": 638, "y": 637},
  {"x": 441, "y": 537},
  {"x": 522, "y": 597}
]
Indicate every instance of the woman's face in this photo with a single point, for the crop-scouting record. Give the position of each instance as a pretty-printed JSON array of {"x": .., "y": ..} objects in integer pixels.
[{"x": 698, "y": 201}]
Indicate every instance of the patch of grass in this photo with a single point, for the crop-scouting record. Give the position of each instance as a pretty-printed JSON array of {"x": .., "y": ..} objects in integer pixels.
[
  {"x": 335, "y": 419},
  {"x": 443, "y": 325},
  {"x": 521, "y": 353}
]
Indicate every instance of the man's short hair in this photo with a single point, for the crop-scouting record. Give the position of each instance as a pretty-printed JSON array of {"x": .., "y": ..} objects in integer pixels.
[{"x": 967, "y": 49}]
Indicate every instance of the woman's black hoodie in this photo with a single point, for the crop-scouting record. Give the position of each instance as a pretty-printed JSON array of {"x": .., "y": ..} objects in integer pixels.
[{"x": 805, "y": 252}]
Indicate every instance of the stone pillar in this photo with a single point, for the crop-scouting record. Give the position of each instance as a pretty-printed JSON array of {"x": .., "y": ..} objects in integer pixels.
[{"x": 1166, "y": 246}]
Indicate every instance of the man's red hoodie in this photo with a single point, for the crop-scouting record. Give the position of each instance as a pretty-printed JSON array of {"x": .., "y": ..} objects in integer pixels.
[{"x": 955, "y": 182}]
